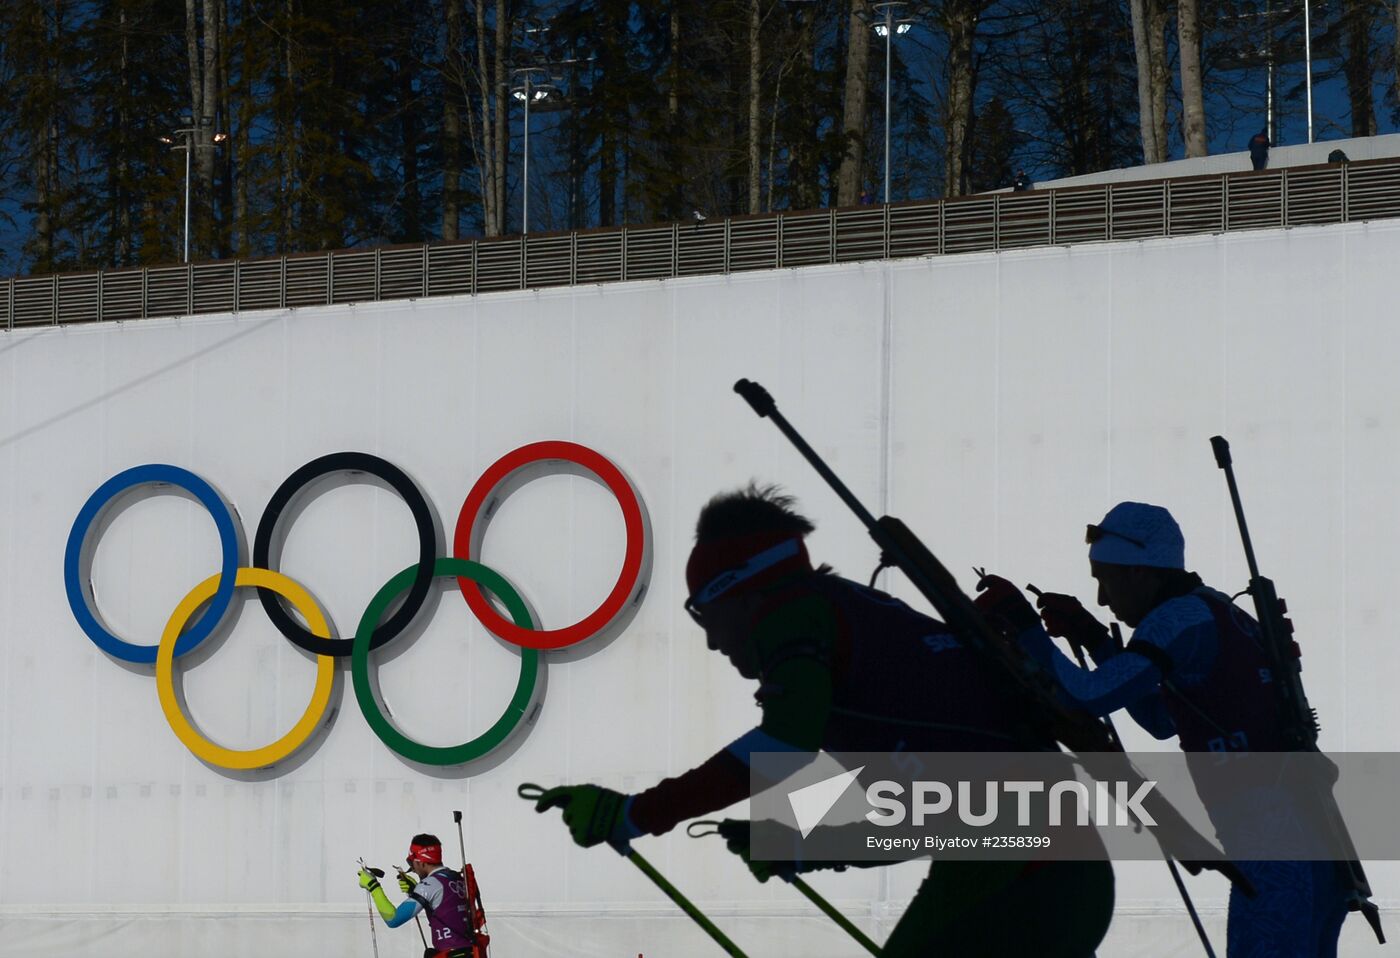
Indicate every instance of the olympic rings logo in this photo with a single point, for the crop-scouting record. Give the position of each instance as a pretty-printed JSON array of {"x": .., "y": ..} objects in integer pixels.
[{"x": 377, "y": 625}]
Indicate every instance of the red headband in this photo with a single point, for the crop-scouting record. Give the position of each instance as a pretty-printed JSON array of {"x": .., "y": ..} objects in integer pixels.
[
  {"x": 708, "y": 560},
  {"x": 427, "y": 854}
]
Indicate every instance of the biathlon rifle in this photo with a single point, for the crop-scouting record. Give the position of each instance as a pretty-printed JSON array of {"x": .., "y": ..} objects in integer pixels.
[
  {"x": 1300, "y": 726},
  {"x": 1094, "y": 746}
]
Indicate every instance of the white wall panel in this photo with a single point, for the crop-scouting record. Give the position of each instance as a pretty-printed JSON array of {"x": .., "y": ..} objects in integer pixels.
[{"x": 996, "y": 402}]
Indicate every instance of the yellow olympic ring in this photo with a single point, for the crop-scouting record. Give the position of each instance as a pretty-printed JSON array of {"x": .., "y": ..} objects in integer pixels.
[{"x": 244, "y": 760}]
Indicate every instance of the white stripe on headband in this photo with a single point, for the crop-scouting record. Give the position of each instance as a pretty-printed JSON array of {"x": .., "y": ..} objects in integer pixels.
[{"x": 726, "y": 580}]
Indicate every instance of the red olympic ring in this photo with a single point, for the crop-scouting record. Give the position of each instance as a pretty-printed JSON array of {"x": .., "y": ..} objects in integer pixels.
[{"x": 481, "y": 503}]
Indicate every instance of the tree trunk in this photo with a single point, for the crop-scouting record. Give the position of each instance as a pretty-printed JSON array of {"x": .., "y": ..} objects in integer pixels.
[
  {"x": 191, "y": 140},
  {"x": 451, "y": 125},
  {"x": 1157, "y": 16},
  {"x": 755, "y": 135},
  {"x": 848, "y": 178},
  {"x": 1193, "y": 109},
  {"x": 1357, "y": 65},
  {"x": 192, "y": 54},
  {"x": 412, "y": 190},
  {"x": 961, "y": 25},
  {"x": 243, "y": 240},
  {"x": 209, "y": 102},
  {"x": 804, "y": 173},
  {"x": 43, "y": 200},
  {"x": 486, "y": 159},
  {"x": 502, "y": 140},
  {"x": 289, "y": 139},
  {"x": 674, "y": 207},
  {"x": 121, "y": 196},
  {"x": 1143, "y": 53},
  {"x": 45, "y": 144},
  {"x": 223, "y": 239}
]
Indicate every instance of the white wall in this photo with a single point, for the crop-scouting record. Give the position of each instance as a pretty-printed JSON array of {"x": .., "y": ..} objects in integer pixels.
[
  {"x": 997, "y": 402},
  {"x": 1296, "y": 154}
]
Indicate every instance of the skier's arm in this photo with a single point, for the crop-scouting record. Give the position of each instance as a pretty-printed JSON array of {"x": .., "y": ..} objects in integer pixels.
[
  {"x": 401, "y": 915},
  {"x": 393, "y": 917}
]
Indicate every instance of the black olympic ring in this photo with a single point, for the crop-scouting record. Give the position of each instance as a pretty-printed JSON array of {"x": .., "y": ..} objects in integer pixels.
[{"x": 417, "y": 504}]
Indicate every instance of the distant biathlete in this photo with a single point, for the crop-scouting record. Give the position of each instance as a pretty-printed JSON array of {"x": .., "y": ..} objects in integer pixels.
[{"x": 444, "y": 895}]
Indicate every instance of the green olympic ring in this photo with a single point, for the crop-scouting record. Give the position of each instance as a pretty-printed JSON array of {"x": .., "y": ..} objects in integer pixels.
[{"x": 515, "y": 712}]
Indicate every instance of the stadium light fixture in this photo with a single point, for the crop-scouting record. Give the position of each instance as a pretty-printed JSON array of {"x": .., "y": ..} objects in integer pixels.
[
  {"x": 188, "y": 134},
  {"x": 528, "y": 93},
  {"x": 889, "y": 26}
]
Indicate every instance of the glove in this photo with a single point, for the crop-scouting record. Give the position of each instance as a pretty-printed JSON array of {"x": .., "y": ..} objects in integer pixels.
[
  {"x": 368, "y": 881},
  {"x": 407, "y": 880},
  {"x": 735, "y": 833},
  {"x": 1004, "y": 605},
  {"x": 593, "y": 814},
  {"x": 1065, "y": 617}
]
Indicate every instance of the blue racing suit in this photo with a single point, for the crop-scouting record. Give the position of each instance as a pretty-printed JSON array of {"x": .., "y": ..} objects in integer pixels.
[{"x": 1195, "y": 668}]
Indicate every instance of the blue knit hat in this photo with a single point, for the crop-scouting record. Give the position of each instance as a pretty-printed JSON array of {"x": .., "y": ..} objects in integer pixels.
[{"x": 1135, "y": 533}]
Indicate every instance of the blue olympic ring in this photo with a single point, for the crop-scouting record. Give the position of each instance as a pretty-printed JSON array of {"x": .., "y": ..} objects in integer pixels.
[{"x": 79, "y": 587}]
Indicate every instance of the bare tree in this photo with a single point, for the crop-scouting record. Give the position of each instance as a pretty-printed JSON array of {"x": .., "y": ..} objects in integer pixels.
[
  {"x": 1358, "y": 64},
  {"x": 1193, "y": 110},
  {"x": 202, "y": 40},
  {"x": 501, "y": 141},
  {"x": 960, "y": 19},
  {"x": 853, "y": 116},
  {"x": 755, "y": 130},
  {"x": 1158, "y": 13},
  {"x": 1149, "y": 18},
  {"x": 451, "y": 123}
]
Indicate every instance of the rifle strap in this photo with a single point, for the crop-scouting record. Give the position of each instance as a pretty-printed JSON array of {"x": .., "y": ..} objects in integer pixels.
[{"x": 1154, "y": 654}]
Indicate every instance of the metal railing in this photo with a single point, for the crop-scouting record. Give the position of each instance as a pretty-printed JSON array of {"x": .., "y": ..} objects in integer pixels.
[{"x": 1297, "y": 196}]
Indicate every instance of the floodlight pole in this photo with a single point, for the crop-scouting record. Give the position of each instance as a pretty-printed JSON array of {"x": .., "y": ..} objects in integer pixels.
[
  {"x": 188, "y": 148},
  {"x": 890, "y": 26},
  {"x": 527, "y": 93},
  {"x": 189, "y": 134}
]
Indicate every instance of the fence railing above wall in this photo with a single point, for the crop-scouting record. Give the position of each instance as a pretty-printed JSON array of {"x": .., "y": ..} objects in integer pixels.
[{"x": 1297, "y": 196}]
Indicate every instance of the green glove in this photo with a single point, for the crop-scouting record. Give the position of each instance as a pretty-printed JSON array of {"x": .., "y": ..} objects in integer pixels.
[
  {"x": 406, "y": 881},
  {"x": 593, "y": 814},
  {"x": 370, "y": 883}
]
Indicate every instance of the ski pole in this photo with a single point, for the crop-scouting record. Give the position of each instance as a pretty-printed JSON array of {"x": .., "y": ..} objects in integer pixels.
[
  {"x": 369, "y": 902},
  {"x": 417, "y": 919},
  {"x": 533, "y": 793},
  {"x": 698, "y": 830},
  {"x": 1171, "y": 862}
]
